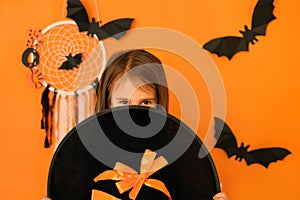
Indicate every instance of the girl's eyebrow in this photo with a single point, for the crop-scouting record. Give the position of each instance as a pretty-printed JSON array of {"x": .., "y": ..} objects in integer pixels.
[
  {"x": 149, "y": 98},
  {"x": 121, "y": 98}
]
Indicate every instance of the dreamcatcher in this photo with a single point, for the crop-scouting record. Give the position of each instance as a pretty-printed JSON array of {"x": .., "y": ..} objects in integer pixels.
[
  {"x": 68, "y": 61},
  {"x": 70, "y": 88}
]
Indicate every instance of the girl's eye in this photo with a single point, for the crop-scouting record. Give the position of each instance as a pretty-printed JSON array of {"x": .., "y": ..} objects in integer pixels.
[
  {"x": 146, "y": 102},
  {"x": 123, "y": 102}
]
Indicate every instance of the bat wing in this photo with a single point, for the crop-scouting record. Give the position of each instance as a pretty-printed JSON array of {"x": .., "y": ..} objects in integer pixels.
[
  {"x": 226, "y": 46},
  {"x": 116, "y": 28},
  {"x": 77, "y": 12},
  {"x": 265, "y": 156},
  {"x": 262, "y": 16},
  {"x": 225, "y": 137},
  {"x": 65, "y": 65},
  {"x": 78, "y": 58}
]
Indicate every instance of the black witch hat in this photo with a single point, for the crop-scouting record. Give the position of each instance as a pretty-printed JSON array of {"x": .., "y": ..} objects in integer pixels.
[{"x": 122, "y": 136}]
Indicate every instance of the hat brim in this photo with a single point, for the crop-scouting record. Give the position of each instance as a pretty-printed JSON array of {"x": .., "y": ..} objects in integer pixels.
[{"x": 97, "y": 143}]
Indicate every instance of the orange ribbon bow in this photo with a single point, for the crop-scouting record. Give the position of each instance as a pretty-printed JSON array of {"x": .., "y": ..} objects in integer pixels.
[{"x": 128, "y": 178}]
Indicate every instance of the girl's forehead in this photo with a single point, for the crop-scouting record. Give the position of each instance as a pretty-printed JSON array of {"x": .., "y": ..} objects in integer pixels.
[{"x": 128, "y": 85}]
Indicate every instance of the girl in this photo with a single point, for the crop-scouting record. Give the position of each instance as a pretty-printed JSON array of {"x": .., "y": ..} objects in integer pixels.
[
  {"x": 139, "y": 67},
  {"x": 135, "y": 77},
  {"x": 146, "y": 86}
]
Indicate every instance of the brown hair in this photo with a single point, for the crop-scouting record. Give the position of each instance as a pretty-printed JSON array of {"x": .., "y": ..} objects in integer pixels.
[{"x": 151, "y": 73}]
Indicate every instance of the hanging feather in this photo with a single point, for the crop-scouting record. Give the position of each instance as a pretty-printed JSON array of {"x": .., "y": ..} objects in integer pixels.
[
  {"x": 93, "y": 94},
  {"x": 56, "y": 118},
  {"x": 51, "y": 120},
  {"x": 63, "y": 118},
  {"x": 76, "y": 100},
  {"x": 45, "y": 111},
  {"x": 72, "y": 112}
]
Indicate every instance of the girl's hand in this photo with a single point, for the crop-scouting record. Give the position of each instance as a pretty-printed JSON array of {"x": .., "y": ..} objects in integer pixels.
[
  {"x": 46, "y": 198},
  {"x": 220, "y": 196}
]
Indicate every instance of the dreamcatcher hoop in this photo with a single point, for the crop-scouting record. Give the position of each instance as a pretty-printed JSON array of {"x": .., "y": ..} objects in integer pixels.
[{"x": 103, "y": 51}]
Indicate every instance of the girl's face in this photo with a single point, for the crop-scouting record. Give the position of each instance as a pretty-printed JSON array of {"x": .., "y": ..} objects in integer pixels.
[{"x": 126, "y": 93}]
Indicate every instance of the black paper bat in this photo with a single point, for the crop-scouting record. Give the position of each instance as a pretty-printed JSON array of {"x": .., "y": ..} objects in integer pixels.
[
  {"x": 227, "y": 142},
  {"x": 230, "y": 45},
  {"x": 71, "y": 62},
  {"x": 116, "y": 28}
]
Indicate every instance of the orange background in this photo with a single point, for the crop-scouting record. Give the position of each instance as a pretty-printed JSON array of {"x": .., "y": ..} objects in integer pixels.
[{"x": 261, "y": 87}]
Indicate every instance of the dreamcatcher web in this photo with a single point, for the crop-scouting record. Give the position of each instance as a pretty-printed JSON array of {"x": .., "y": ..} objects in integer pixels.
[{"x": 59, "y": 40}]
